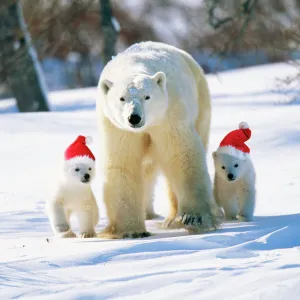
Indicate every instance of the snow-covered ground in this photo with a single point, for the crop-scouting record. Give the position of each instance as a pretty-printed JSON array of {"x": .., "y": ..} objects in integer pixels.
[{"x": 256, "y": 260}]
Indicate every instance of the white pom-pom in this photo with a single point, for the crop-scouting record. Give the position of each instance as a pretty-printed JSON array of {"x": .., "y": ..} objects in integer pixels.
[
  {"x": 88, "y": 140},
  {"x": 243, "y": 125}
]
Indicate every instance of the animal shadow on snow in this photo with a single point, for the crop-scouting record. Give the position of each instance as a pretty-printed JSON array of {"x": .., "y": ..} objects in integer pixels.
[
  {"x": 234, "y": 240},
  {"x": 263, "y": 233}
]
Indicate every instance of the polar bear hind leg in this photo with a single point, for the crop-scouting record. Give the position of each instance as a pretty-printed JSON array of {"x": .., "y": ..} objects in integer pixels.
[{"x": 150, "y": 173}]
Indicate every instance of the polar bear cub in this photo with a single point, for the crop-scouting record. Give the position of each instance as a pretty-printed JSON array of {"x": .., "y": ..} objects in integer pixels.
[
  {"x": 74, "y": 194},
  {"x": 234, "y": 182}
]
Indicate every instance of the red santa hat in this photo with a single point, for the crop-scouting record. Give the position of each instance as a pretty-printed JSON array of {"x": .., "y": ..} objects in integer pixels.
[
  {"x": 79, "y": 149},
  {"x": 234, "y": 142}
]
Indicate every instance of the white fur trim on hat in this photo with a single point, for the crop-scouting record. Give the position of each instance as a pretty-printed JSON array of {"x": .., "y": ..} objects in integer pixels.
[
  {"x": 243, "y": 125},
  {"x": 80, "y": 159},
  {"x": 233, "y": 152},
  {"x": 88, "y": 140}
]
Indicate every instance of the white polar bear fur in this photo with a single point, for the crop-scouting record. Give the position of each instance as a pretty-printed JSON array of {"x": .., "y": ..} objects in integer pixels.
[
  {"x": 173, "y": 138},
  {"x": 74, "y": 197},
  {"x": 237, "y": 197}
]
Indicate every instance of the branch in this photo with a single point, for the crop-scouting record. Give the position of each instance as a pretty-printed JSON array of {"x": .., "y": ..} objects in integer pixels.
[{"x": 110, "y": 28}]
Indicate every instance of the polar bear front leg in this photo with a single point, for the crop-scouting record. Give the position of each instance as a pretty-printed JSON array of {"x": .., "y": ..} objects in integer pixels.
[
  {"x": 231, "y": 208},
  {"x": 173, "y": 204},
  {"x": 183, "y": 159},
  {"x": 86, "y": 224},
  {"x": 123, "y": 187},
  {"x": 247, "y": 205},
  {"x": 59, "y": 221},
  {"x": 95, "y": 210},
  {"x": 89, "y": 218}
]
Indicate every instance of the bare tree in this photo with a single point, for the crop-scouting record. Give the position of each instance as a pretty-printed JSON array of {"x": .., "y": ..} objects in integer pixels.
[
  {"x": 110, "y": 28},
  {"x": 19, "y": 66},
  {"x": 240, "y": 14},
  {"x": 272, "y": 27}
]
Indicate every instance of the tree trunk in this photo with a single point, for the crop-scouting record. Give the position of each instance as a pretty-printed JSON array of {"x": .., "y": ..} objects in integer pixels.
[
  {"x": 19, "y": 64},
  {"x": 110, "y": 28}
]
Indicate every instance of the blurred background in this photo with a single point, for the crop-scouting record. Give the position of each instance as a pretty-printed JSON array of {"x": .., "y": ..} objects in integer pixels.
[{"x": 51, "y": 45}]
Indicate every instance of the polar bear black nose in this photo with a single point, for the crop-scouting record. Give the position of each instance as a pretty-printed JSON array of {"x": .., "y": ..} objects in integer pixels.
[
  {"x": 86, "y": 176},
  {"x": 134, "y": 119},
  {"x": 230, "y": 176}
]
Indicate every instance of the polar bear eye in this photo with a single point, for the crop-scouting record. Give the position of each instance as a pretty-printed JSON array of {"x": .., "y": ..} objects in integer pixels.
[
  {"x": 77, "y": 169},
  {"x": 147, "y": 97},
  {"x": 90, "y": 169},
  {"x": 223, "y": 167},
  {"x": 236, "y": 165},
  {"x": 122, "y": 99}
]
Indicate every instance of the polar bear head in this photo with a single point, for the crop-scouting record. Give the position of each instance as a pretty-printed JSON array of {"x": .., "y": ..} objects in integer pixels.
[
  {"x": 135, "y": 104},
  {"x": 229, "y": 167},
  {"x": 79, "y": 170}
]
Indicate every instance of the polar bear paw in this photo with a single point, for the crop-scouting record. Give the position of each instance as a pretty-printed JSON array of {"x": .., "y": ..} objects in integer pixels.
[
  {"x": 136, "y": 234},
  {"x": 231, "y": 218},
  {"x": 67, "y": 234},
  {"x": 90, "y": 234},
  {"x": 199, "y": 223},
  {"x": 243, "y": 218},
  {"x": 191, "y": 220},
  {"x": 111, "y": 232}
]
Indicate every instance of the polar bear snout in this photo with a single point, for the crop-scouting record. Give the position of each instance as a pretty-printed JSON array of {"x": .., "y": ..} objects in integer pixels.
[
  {"x": 86, "y": 178},
  {"x": 135, "y": 121},
  {"x": 133, "y": 113},
  {"x": 230, "y": 177}
]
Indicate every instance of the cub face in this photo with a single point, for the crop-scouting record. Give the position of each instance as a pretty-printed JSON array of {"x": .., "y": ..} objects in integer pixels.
[
  {"x": 228, "y": 167},
  {"x": 79, "y": 171},
  {"x": 137, "y": 105}
]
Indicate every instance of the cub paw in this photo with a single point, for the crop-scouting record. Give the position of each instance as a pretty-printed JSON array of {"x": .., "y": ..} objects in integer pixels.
[
  {"x": 86, "y": 235},
  {"x": 136, "y": 235},
  {"x": 68, "y": 234}
]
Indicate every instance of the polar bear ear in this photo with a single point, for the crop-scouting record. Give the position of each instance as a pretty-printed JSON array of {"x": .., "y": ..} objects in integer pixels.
[
  {"x": 160, "y": 78},
  {"x": 106, "y": 85},
  {"x": 214, "y": 154}
]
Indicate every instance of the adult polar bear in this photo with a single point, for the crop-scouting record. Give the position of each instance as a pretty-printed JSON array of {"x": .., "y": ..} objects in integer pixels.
[{"x": 154, "y": 114}]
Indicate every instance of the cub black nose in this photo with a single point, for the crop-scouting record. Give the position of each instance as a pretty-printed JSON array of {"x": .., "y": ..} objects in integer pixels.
[
  {"x": 230, "y": 176},
  {"x": 134, "y": 119},
  {"x": 87, "y": 176}
]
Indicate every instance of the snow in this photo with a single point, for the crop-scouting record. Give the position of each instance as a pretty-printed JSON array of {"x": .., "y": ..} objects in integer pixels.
[{"x": 255, "y": 260}]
